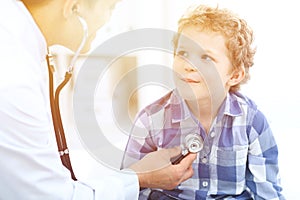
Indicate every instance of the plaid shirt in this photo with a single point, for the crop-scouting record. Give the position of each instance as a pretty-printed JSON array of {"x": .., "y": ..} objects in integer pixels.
[{"x": 239, "y": 159}]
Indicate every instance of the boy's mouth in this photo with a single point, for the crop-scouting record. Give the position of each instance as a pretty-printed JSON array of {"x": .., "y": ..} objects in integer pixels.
[{"x": 189, "y": 80}]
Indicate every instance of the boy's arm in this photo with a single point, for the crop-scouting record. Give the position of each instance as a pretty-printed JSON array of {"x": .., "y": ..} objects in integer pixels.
[{"x": 262, "y": 172}]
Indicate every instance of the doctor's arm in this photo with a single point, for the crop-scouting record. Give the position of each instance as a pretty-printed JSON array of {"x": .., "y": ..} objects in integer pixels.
[{"x": 156, "y": 171}]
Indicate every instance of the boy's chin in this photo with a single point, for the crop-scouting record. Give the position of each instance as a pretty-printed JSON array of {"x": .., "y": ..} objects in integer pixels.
[{"x": 188, "y": 96}]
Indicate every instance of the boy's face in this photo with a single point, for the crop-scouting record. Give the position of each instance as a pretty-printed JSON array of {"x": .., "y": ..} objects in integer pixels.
[{"x": 201, "y": 67}]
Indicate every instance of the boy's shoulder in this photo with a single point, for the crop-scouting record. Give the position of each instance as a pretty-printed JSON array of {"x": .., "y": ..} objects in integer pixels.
[
  {"x": 243, "y": 100},
  {"x": 161, "y": 104}
]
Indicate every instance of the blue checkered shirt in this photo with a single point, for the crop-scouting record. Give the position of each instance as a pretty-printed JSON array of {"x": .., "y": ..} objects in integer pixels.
[{"x": 239, "y": 159}]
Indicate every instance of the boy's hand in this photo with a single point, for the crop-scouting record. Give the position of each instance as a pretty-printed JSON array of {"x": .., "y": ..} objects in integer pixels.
[{"x": 156, "y": 171}]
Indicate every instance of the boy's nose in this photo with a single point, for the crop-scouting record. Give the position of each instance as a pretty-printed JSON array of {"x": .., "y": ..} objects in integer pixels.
[{"x": 189, "y": 68}]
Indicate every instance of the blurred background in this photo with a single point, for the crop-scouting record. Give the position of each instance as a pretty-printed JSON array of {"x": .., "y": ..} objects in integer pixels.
[{"x": 273, "y": 85}]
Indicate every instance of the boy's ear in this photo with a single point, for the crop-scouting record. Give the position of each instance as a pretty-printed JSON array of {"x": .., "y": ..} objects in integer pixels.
[
  {"x": 236, "y": 77},
  {"x": 70, "y": 7}
]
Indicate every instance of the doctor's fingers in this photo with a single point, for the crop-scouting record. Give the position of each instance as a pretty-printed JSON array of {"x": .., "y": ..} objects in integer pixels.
[
  {"x": 187, "y": 162},
  {"x": 184, "y": 168},
  {"x": 187, "y": 174}
]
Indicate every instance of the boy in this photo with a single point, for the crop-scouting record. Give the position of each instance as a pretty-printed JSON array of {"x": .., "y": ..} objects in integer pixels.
[{"x": 239, "y": 158}]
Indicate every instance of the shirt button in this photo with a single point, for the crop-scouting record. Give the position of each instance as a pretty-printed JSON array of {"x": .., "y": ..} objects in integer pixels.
[
  {"x": 204, "y": 183},
  {"x": 204, "y": 160},
  {"x": 212, "y": 134}
]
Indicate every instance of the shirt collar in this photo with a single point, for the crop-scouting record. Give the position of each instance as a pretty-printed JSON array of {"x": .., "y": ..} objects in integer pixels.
[
  {"x": 230, "y": 106},
  {"x": 180, "y": 111}
]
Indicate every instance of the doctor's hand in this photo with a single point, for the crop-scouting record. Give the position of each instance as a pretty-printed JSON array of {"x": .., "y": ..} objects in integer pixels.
[{"x": 156, "y": 171}]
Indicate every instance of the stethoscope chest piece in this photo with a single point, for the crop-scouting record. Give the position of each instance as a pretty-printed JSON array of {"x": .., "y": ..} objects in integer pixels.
[{"x": 193, "y": 143}]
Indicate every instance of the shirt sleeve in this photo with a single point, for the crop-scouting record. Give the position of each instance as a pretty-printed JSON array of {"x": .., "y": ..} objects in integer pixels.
[
  {"x": 263, "y": 173},
  {"x": 140, "y": 141}
]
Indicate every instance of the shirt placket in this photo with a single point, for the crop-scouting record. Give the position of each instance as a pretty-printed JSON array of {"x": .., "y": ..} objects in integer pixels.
[
  {"x": 204, "y": 156},
  {"x": 203, "y": 170}
]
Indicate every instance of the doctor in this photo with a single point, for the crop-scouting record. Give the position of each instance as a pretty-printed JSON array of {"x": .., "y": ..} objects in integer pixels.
[{"x": 30, "y": 164}]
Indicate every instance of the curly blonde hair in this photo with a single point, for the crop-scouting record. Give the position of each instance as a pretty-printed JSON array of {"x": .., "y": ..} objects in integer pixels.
[{"x": 238, "y": 35}]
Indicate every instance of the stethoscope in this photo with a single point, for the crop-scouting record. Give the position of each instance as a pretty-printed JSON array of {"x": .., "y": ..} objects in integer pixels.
[
  {"x": 54, "y": 100},
  {"x": 193, "y": 143}
]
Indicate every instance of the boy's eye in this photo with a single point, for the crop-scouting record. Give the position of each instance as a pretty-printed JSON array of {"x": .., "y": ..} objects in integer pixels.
[
  {"x": 207, "y": 58},
  {"x": 182, "y": 53}
]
